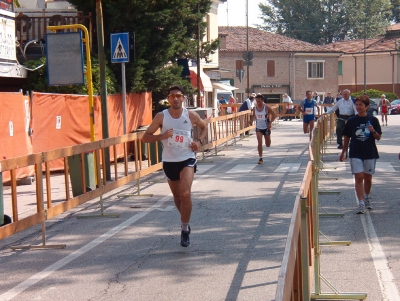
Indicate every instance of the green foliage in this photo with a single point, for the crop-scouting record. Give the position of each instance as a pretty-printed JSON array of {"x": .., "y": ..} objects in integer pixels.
[
  {"x": 37, "y": 80},
  {"x": 326, "y": 21},
  {"x": 372, "y": 93},
  {"x": 164, "y": 32}
]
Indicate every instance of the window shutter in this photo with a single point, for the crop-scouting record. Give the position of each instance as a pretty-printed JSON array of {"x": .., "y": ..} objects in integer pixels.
[{"x": 270, "y": 68}]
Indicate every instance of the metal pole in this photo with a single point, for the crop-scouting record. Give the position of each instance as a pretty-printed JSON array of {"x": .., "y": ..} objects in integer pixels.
[
  {"x": 365, "y": 53},
  {"x": 247, "y": 48},
  {"x": 198, "y": 58},
  {"x": 123, "y": 96},
  {"x": 103, "y": 84}
]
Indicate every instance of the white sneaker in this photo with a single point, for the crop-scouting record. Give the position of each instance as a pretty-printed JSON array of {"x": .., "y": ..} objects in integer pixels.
[
  {"x": 368, "y": 203},
  {"x": 361, "y": 208}
]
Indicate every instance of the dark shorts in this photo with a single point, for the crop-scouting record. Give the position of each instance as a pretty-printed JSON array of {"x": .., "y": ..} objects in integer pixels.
[
  {"x": 265, "y": 132},
  {"x": 172, "y": 170},
  {"x": 308, "y": 118}
]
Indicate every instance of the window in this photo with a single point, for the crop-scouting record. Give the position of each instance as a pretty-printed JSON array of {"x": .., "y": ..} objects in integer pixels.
[
  {"x": 315, "y": 69},
  {"x": 270, "y": 68},
  {"x": 240, "y": 69},
  {"x": 340, "y": 68}
]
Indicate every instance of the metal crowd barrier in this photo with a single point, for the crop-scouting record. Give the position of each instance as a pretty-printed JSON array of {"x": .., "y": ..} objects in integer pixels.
[
  {"x": 301, "y": 260},
  {"x": 220, "y": 131}
]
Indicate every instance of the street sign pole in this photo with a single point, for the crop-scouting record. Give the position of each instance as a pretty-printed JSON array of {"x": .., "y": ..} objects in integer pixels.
[
  {"x": 123, "y": 96},
  {"x": 120, "y": 54}
]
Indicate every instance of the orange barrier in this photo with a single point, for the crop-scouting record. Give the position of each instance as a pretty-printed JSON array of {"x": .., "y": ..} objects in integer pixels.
[
  {"x": 221, "y": 130},
  {"x": 61, "y": 120},
  {"x": 14, "y": 125}
]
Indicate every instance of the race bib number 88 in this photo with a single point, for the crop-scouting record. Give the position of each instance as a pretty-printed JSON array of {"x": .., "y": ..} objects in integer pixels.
[{"x": 180, "y": 139}]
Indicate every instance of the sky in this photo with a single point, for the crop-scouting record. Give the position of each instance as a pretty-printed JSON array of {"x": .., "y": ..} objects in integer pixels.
[{"x": 236, "y": 14}]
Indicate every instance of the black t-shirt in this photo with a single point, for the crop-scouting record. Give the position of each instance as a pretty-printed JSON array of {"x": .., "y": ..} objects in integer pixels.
[{"x": 362, "y": 146}]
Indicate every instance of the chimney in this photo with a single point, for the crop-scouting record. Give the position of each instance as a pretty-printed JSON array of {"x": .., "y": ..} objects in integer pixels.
[{"x": 222, "y": 40}]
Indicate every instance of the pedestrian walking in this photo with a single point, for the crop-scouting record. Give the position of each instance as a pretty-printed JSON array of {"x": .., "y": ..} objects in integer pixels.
[
  {"x": 346, "y": 110},
  {"x": 178, "y": 154},
  {"x": 263, "y": 124},
  {"x": 383, "y": 106},
  {"x": 361, "y": 131}
]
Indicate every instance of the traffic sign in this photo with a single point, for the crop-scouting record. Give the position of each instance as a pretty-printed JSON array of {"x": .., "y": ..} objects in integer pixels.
[{"x": 120, "y": 47}]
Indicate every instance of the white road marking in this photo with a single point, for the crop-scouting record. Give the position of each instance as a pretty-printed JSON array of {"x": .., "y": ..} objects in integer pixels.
[
  {"x": 384, "y": 167},
  {"x": 242, "y": 168},
  {"x": 12, "y": 293},
  {"x": 202, "y": 168},
  {"x": 386, "y": 280},
  {"x": 288, "y": 167}
]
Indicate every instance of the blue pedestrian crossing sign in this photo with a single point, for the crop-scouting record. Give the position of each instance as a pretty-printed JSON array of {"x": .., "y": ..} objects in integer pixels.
[{"x": 120, "y": 47}]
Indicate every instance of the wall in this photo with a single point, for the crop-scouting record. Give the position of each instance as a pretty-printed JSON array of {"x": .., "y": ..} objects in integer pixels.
[{"x": 382, "y": 72}]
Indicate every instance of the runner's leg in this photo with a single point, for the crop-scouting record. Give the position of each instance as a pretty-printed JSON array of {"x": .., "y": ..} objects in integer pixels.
[{"x": 259, "y": 144}]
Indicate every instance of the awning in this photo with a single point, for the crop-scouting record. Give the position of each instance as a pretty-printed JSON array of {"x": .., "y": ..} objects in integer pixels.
[
  {"x": 205, "y": 82},
  {"x": 222, "y": 86}
]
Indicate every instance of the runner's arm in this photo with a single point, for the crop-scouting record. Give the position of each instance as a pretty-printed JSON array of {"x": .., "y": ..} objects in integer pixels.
[
  {"x": 272, "y": 113},
  {"x": 154, "y": 126},
  {"x": 200, "y": 124}
]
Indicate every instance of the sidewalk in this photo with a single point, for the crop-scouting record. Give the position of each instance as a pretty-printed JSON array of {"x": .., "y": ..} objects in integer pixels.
[{"x": 241, "y": 214}]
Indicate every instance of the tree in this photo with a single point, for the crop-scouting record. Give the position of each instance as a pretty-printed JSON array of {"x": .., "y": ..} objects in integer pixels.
[
  {"x": 395, "y": 10},
  {"x": 164, "y": 32},
  {"x": 326, "y": 21}
]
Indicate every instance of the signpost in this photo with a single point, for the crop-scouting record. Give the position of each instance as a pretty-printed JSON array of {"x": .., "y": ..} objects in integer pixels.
[{"x": 120, "y": 54}]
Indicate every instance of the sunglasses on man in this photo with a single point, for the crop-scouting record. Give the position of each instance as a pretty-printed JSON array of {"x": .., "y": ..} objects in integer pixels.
[{"x": 176, "y": 95}]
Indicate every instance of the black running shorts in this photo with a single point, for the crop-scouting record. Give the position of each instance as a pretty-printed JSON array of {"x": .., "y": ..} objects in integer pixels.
[{"x": 172, "y": 170}]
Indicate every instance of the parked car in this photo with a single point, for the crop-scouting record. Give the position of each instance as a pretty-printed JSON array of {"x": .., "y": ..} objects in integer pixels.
[
  {"x": 373, "y": 107},
  {"x": 395, "y": 109}
]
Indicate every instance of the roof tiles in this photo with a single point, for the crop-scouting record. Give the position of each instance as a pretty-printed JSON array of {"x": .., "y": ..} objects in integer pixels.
[{"x": 261, "y": 40}]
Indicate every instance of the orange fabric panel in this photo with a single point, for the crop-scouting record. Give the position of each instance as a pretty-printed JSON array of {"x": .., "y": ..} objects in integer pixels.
[
  {"x": 61, "y": 120},
  {"x": 14, "y": 125},
  {"x": 138, "y": 110}
]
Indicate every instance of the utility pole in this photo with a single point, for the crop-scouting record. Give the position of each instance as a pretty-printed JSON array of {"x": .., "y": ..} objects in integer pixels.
[
  {"x": 198, "y": 103},
  {"x": 103, "y": 84},
  {"x": 365, "y": 53},
  {"x": 247, "y": 49}
]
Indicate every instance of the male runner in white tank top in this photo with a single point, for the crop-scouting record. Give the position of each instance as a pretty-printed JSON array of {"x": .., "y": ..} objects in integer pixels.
[
  {"x": 178, "y": 155},
  {"x": 263, "y": 124}
]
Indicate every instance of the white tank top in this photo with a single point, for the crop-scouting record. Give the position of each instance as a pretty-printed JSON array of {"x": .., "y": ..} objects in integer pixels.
[
  {"x": 261, "y": 118},
  {"x": 176, "y": 149}
]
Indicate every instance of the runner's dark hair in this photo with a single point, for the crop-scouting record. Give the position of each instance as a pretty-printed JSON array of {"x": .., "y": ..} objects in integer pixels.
[{"x": 176, "y": 87}]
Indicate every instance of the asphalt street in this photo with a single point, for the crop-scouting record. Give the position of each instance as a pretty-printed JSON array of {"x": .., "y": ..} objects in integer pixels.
[{"x": 240, "y": 219}]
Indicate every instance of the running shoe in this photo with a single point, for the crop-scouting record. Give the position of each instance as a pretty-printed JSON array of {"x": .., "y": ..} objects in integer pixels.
[
  {"x": 185, "y": 240},
  {"x": 260, "y": 161},
  {"x": 368, "y": 203},
  {"x": 360, "y": 209}
]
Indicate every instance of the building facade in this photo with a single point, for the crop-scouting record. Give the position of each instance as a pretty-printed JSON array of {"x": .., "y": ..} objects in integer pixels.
[
  {"x": 370, "y": 63},
  {"x": 277, "y": 65}
]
